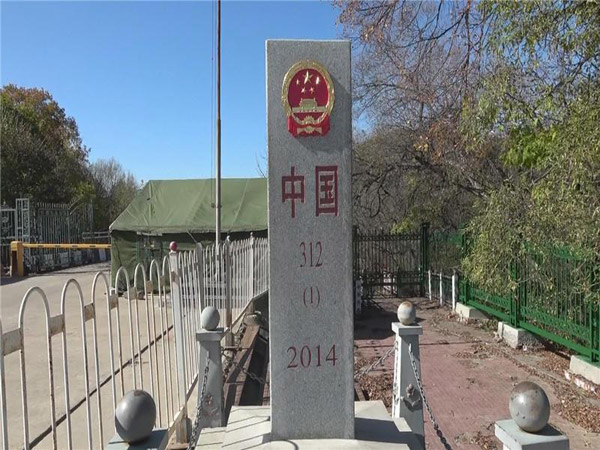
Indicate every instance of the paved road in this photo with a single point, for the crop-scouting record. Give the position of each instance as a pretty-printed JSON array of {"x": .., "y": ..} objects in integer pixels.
[
  {"x": 36, "y": 355},
  {"x": 12, "y": 290}
]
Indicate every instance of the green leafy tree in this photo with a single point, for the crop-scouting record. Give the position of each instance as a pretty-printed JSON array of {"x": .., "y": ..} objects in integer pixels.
[
  {"x": 490, "y": 106},
  {"x": 42, "y": 153},
  {"x": 114, "y": 190},
  {"x": 542, "y": 97}
]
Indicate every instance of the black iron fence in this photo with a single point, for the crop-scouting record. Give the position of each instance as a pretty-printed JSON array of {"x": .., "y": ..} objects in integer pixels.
[{"x": 389, "y": 262}]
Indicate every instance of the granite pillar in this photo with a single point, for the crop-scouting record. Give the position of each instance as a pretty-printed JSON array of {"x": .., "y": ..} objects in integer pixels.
[{"x": 309, "y": 136}]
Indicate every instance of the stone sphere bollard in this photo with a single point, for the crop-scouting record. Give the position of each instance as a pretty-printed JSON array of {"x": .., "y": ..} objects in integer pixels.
[
  {"x": 135, "y": 416},
  {"x": 173, "y": 246},
  {"x": 407, "y": 313},
  {"x": 209, "y": 319},
  {"x": 529, "y": 407}
]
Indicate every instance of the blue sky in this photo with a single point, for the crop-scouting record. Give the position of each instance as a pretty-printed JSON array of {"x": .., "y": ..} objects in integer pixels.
[{"x": 136, "y": 76}]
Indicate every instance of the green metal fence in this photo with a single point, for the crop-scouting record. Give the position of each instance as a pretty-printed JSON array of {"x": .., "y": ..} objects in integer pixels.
[
  {"x": 553, "y": 298},
  {"x": 445, "y": 251}
]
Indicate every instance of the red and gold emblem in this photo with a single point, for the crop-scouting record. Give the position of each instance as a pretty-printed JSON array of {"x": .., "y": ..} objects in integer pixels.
[{"x": 307, "y": 98}]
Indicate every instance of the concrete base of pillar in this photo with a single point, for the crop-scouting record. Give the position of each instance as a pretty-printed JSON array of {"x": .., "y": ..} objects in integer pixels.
[
  {"x": 517, "y": 337},
  {"x": 513, "y": 438},
  {"x": 250, "y": 427},
  {"x": 588, "y": 370},
  {"x": 211, "y": 438},
  {"x": 468, "y": 312},
  {"x": 157, "y": 440}
]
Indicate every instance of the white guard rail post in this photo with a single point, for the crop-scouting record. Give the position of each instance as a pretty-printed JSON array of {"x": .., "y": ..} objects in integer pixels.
[
  {"x": 251, "y": 270},
  {"x": 228, "y": 304},
  {"x": 454, "y": 289},
  {"x": 441, "y": 290},
  {"x": 3, "y": 415},
  {"x": 407, "y": 402},
  {"x": 429, "y": 279},
  {"x": 181, "y": 431},
  {"x": 200, "y": 257}
]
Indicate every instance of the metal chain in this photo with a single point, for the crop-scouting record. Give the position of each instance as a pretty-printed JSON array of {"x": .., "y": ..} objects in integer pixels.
[
  {"x": 436, "y": 427},
  {"x": 365, "y": 370},
  {"x": 229, "y": 364},
  {"x": 252, "y": 376},
  {"x": 196, "y": 427},
  {"x": 395, "y": 386}
]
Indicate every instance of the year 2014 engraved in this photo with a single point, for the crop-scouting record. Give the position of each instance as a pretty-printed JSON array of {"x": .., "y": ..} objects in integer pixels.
[
  {"x": 311, "y": 254},
  {"x": 306, "y": 357}
]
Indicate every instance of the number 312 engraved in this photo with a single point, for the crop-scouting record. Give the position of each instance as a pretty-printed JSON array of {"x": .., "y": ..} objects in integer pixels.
[{"x": 308, "y": 257}]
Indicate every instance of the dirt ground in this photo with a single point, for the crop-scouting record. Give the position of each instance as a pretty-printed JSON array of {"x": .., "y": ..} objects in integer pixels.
[{"x": 468, "y": 377}]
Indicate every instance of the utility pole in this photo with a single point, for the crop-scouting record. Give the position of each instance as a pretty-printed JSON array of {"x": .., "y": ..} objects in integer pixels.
[{"x": 218, "y": 175}]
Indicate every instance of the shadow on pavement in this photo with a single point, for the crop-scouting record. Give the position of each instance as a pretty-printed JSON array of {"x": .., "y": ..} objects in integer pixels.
[{"x": 10, "y": 280}]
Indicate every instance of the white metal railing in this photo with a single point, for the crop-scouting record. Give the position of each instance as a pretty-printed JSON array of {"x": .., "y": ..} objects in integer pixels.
[
  {"x": 443, "y": 288},
  {"x": 142, "y": 336}
]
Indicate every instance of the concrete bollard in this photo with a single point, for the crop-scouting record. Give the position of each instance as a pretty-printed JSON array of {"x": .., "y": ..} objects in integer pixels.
[
  {"x": 528, "y": 428},
  {"x": 135, "y": 416},
  {"x": 407, "y": 402},
  {"x": 209, "y": 337}
]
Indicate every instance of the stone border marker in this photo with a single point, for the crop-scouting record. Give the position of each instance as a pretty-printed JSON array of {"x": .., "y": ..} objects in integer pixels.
[{"x": 310, "y": 237}]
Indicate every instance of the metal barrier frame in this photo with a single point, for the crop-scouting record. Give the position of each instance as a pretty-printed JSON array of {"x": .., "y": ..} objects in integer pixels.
[{"x": 228, "y": 277}]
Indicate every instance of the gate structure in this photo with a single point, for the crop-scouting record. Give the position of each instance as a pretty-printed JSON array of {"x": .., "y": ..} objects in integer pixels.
[
  {"x": 46, "y": 223},
  {"x": 388, "y": 262},
  {"x": 59, "y": 223},
  {"x": 8, "y": 233}
]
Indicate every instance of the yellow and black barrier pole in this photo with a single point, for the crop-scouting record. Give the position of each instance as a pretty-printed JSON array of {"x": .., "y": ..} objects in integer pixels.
[{"x": 17, "y": 253}]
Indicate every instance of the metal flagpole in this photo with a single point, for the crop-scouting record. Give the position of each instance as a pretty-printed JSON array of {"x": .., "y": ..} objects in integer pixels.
[
  {"x": 224, "y": 266},
  {"x": 218, "y": 174}
]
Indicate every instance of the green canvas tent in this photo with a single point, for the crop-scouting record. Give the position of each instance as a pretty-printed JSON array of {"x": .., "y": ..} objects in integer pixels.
[{"x": 183, "y": 211}]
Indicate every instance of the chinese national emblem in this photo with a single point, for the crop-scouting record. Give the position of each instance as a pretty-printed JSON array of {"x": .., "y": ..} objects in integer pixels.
[{"x": 307, "y": 98}]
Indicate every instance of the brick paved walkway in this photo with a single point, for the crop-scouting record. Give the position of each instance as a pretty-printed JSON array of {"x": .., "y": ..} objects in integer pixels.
[{"x": 467, "y": 376}]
